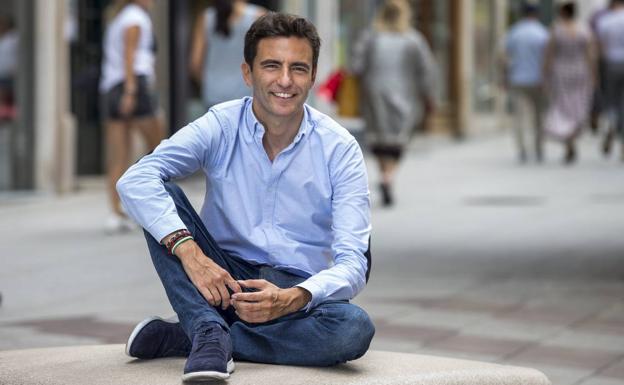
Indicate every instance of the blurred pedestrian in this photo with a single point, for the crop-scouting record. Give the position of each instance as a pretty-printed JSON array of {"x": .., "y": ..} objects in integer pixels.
[
  {"x": 216, "y": 52},
  {"x": 611, "y": 35},
  {"x": 9, "y": 43},
  {"x": 523, "y": 61},
  {"x": 600, "y": 87},
  {"x": 127, "y": 88},
  {"x": 569, "y": 77},
  {"x": 395, "y": 66}
]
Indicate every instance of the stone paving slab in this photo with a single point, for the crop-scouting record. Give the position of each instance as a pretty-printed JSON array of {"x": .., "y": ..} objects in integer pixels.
[
  {"x": 476, "y": 246},
  {"x": 107, "y": 364}
]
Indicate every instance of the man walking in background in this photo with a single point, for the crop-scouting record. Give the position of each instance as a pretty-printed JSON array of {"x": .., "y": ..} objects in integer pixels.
[
  {"x": 523, "y": 60},
  {"x": 611, "y": 36}
]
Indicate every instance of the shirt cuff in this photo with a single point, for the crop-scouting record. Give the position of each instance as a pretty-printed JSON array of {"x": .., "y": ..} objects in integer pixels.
[
  {"x": 165, "y": 226},
  {"x": 315, "y": 290}
]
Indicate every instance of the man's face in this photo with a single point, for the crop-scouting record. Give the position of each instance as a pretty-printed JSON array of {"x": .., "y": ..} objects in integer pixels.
[{"x": 281, "y": 78}]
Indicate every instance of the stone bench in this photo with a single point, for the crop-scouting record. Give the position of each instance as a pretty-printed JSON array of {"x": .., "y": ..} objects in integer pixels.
[{"x": 107, "y": 365}]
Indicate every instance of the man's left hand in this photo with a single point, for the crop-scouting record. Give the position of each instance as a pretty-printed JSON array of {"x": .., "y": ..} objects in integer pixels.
[{"x": 269, "y": 302}]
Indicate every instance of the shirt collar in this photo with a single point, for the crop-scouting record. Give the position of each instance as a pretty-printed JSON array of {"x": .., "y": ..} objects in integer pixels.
[
  {"x": 304, "y": 127},
  {"x": 256, "y": 129}
]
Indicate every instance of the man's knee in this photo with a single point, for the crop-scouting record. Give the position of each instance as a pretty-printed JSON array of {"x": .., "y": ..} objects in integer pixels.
[
  {"x": 351, "y": 333},
  {"x": 362, "y": 332}
]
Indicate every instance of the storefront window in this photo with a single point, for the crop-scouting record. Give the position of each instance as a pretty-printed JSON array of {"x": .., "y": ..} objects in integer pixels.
[
  {"x": 355, "y": 17},
  {"x": 432, "y": 18},
  {"x": 85, "y": 28},
  {"x": 485, "y": 48}
]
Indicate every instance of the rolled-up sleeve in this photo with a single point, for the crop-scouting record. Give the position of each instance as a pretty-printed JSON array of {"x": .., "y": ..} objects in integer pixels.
[
  {"x": 351, "y": 230},
  {"x": 141, "y": 189}
]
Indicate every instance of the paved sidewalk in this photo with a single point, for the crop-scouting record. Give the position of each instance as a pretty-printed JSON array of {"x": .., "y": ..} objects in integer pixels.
[{"x": 481, "y": 258}]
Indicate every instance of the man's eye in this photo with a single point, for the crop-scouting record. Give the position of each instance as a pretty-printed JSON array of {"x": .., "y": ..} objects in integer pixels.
[{"x": 300, "y": 69}]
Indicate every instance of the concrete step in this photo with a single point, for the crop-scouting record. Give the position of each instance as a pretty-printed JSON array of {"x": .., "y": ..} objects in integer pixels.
[{"x": 107, "y": 364}]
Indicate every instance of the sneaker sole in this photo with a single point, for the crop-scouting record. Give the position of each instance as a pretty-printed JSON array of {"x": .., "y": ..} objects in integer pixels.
[
  {"x": 209, "y": 375},
  {"x": 141, "y": 325}
]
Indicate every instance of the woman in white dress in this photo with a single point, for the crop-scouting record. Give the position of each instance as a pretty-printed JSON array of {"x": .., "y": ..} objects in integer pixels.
[{"x": 569, "y": 77}]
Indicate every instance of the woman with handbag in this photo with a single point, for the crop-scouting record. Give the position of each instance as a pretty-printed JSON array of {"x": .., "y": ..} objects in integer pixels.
[{"x": 569, "y": 77}]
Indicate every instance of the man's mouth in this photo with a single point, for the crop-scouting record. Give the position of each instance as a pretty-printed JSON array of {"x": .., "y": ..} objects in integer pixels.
[{"x": 283, "y": 95}]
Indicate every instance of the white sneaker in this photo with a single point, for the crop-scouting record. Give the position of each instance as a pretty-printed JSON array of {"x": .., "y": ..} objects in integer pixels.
[
  {"x": 117, "y": 224},
  {"x": 130, "y": 224}
]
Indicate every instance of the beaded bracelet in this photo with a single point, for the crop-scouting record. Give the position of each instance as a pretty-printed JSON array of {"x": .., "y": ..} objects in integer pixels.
[
  {"x": 176, "y": 237},
  {"x": 178, "y": 243}
]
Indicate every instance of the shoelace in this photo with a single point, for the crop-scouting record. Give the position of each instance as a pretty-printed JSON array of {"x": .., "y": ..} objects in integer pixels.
[{"x": 210, "y": 337}]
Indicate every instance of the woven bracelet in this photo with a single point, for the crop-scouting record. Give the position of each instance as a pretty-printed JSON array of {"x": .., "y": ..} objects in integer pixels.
[
  {"x": 178, "y": 243},
  {"x": 176, "y": 237}
]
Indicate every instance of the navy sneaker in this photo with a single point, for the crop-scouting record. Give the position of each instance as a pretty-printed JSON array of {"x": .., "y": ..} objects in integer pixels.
[
  {"x": 211, "y": 355},
  {"x": 156, "y": 337}
]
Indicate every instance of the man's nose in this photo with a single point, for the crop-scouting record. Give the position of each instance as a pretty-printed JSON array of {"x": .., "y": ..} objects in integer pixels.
[{"x": 285, "y": 79}]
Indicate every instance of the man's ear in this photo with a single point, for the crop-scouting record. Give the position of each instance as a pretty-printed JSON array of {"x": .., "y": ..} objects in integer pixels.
[
  {"x": 247, "y": 75},
  {"x": 313, "y": 76}
]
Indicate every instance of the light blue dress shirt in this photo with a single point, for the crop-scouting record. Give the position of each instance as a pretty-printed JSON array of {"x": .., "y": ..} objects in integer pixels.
[
  {"x": 307, "y": 212},
  {"x": 611, "y": 35},
  {"x": 525, "y": 44}
]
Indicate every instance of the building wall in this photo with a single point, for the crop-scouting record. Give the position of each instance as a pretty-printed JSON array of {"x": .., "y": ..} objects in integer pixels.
[
  {"x": 54, "y": 126},
  {"x": 463, "y": 34}
]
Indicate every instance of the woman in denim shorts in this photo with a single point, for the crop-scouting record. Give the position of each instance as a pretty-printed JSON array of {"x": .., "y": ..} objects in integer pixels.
[{"x": 128, "y": 96}]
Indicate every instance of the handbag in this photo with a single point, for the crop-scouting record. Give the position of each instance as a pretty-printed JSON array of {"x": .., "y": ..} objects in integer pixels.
[
  {"x": 558, "y": 125},
  {"x": 341, "y": 88},
  {"x": 348, "y": 96}
]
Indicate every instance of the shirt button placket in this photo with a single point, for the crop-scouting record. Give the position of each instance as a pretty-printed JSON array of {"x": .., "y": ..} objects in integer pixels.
[{"x": 269, "y": 206}]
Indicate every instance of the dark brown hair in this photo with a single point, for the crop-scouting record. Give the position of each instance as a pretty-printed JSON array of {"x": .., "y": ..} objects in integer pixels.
[
  {"x": 224, "y": 11},
  {"x": 275, "y": 24},
  {"x": 567, "y": 10}
]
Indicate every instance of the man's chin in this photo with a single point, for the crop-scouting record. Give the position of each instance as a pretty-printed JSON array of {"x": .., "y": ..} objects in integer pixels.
[{"x": 285, "y": 109}]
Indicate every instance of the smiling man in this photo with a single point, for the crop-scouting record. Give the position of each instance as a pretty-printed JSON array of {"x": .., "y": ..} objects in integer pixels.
[{"x": 265, "y": 271}]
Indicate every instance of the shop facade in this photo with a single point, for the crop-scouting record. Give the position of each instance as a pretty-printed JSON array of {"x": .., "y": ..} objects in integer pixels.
[{"x": 55, "y": 134}]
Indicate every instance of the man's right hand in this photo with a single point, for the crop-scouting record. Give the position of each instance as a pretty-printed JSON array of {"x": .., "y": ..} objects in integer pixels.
[{"x": 209, "y": 278}]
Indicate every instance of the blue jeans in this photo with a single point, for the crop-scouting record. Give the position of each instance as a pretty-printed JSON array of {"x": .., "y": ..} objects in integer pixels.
[{"x": 331, "y": 333}]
